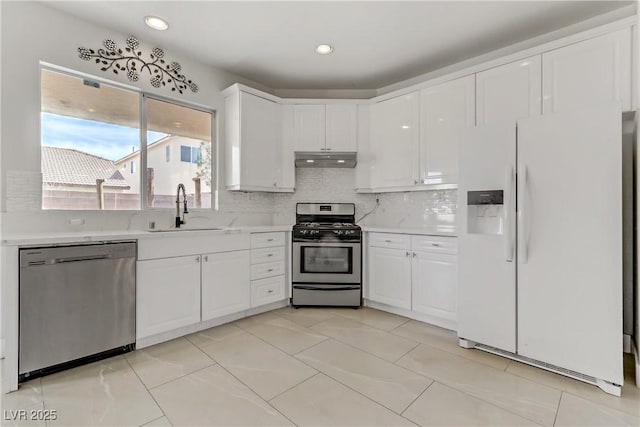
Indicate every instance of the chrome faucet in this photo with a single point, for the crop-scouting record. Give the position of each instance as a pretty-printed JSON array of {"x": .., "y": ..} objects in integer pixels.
[{"x": 179, "y": 221}]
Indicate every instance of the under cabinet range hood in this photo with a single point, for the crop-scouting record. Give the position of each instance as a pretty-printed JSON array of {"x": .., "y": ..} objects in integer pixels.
[{"x": 307, "y": 159}]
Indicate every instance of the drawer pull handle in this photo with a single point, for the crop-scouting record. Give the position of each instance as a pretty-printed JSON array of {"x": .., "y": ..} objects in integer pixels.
[
  {"x": 387, "y": 241},
  {"x": 269, "y": 254},
  {"x": 435, "y": 244},
  {"x": 269, "y": 240},
  {"x": 270, "y": 291},
  {"x": 270, "y": 270}
]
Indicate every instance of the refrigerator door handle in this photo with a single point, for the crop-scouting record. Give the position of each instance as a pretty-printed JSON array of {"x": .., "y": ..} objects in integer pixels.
[
  {"x": 524, "y": 233},
  {"x": 508, "y": 238}
]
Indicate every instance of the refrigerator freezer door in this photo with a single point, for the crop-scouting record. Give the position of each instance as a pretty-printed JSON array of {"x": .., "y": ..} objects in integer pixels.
[
  {"x": 486, "y": 281},
  {"x": 570, "y": 213}
]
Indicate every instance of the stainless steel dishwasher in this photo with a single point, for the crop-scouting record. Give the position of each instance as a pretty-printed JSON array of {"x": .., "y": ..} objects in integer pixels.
[{"x": 77, "y": 304}]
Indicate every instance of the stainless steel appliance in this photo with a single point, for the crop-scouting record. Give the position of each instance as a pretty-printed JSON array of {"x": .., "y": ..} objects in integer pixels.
[
  {"x": 77, "y": 304},
  {"x": 327, "y": 256}
]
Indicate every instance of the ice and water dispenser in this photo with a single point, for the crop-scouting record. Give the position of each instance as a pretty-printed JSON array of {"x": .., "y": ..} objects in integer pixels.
[{"x": 485, "y": 212}]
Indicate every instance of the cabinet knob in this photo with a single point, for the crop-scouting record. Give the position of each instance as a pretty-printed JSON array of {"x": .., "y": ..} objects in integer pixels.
[
  {"x": 415, "y": 254},
  {"x": 274, "y": 184},
  {"x": 198, "y": 258},
  {"x": 408, "y": 253},
  {"x": 416, "y": 182},
  {"x": 206, "y": 258},
  {"x": 327, "y": 149}
]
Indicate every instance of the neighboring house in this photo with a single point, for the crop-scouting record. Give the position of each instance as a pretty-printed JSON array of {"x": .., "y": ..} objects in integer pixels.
[
  {"x": 174, "y": 160},
  {"x": 66, "y": 169}
]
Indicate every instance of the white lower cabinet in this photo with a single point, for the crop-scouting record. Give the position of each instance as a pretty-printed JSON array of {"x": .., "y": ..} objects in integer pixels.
[
  {"x": 434, "y": 278},
  {"x": 267, "y": 268},
  {"x": 390, "y": 276},
  {"x": 225, "y": 284},
  {"x": 416, "y": 273},
  {"x": 168, "y": 294}
]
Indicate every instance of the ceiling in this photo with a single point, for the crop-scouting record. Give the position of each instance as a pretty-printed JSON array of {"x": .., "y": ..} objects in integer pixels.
[{"x": 376, "y": 43}]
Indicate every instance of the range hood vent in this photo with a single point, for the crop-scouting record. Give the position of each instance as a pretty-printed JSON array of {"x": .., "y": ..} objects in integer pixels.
[{"x": 305, "y": 159}]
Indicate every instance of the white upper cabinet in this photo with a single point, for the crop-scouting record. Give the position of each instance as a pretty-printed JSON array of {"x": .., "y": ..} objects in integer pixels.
[
  {"x": 589, "y": 72},
  {"x": 309, "y": 127},
  {"x": 509, "y": 92},
  {"x": 341, "y": 127},
  {"x": 445, "y": 110},
  {"x": 395, "y": 140},
  {"x": 330, "y": 127},
  {"x": 253, "y": 149}
]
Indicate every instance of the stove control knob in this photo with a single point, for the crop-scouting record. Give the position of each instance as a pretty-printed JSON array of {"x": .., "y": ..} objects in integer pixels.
[
  {"x": 338, "y": 232},
  {"x": 304, "y": 231}
]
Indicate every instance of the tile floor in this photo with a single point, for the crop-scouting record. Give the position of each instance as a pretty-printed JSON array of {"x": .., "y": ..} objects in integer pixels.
[{"x": 322, "y": 367}]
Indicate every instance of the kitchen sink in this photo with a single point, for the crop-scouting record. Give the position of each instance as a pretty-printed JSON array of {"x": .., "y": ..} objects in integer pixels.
[{"x": 171, "y": 230}]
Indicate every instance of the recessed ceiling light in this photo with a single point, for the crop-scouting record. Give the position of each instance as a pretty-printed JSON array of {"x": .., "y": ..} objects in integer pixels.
[
  {"x": 324, "y": 49},
  {"x": 310, "y": 161},
  {"x": 340, "y": 161},
  {"x": 156, "y": 23}
]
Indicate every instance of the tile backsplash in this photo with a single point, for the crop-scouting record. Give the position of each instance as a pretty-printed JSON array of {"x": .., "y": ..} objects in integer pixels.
[{"x": 407, "y": 209}]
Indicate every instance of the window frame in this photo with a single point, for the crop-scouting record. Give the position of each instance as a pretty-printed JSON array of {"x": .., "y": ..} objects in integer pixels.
[{"x": 142, "y": 166}]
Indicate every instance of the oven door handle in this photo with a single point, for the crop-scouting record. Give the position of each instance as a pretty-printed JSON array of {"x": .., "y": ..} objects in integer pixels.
[{"x": 341, "y": 288}]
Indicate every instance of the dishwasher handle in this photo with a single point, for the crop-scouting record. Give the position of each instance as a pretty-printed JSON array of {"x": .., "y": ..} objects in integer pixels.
[{"x": 80, "y": 258}]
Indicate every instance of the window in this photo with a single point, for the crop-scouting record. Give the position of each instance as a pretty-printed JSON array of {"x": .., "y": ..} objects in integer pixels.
[
  {"x": 189, "y": 154},
  {"x": 90, "y": 135}
]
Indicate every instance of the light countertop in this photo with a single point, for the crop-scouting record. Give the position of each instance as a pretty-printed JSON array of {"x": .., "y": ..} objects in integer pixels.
[
  {"x": 442, "y": 230},
  {"x": 65, "y": 237}
]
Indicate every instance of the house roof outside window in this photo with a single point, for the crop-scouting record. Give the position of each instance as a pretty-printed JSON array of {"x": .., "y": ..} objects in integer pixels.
[{"x": 66, "y": 166}]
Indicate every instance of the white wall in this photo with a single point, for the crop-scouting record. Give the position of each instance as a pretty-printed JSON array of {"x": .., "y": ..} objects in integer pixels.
[{"x": 32, "y": 32}]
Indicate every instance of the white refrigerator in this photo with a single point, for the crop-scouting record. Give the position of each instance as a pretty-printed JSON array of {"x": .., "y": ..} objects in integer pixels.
[{"x": 540, "y": 242}]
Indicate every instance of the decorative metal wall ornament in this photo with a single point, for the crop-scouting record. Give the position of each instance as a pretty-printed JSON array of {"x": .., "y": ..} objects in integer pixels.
[{"x": 130, "y": 61}]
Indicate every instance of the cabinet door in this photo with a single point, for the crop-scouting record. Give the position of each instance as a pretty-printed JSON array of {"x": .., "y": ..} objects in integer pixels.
[
  {"x": 167, "y": 294},
  {"x": 260, "y": 160},
  {"x": 225, "y": 283},
  {"x": 445, "y": 111},
  {"x": 509, "y": 92},
  {"x": 341, "y": 127},
  {"x": 395, "y": 139},
  {"x": 390, "y": 276},
  {"x": 434, "y": 286},
  {"x": 309, "y": 127},
  {"x": 594, "y": 71}
]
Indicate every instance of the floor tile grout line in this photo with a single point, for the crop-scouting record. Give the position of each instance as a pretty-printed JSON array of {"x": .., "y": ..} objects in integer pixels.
[
  {"x": 148, "y": 391},
  {"x": 370, "y": 325},
  {"x": 417, "y": 397},
  {"x": 155, "y": 419},
  {"x": 365, "y": 351},
  {"x": 555, "y": 419},
  {"x": 326, "y": 338},
  {"x": 296, "y": 385},
  {"x": 357, "y": 391},
  {"x": 451, "y": 352},
  {"x": 455, "y": 387},
  {"x": 504, "y": 409},
  {"x": 407, "y": 352},
  {"x": 262, "y": 398},
  {"x": 183, "y": 376},
  {"x": 308, "y": 326}
]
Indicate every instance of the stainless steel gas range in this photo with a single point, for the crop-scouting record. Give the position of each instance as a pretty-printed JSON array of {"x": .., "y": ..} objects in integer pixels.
[{"x": 327, "y": 256}]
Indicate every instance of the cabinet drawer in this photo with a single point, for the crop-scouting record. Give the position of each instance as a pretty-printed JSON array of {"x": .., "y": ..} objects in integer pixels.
[
  {"x": 391, "y": 241},
  {"x": 258, "y": 256},
  {"x": 443, "y": 245},
  {"x": 268, "y": 269},
  {"x": 266, "y": 240},
  {"x": 266, "y": 291}
]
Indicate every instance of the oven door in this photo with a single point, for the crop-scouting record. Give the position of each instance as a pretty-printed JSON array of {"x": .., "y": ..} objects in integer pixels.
[{"x": 326, "y": 262}]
